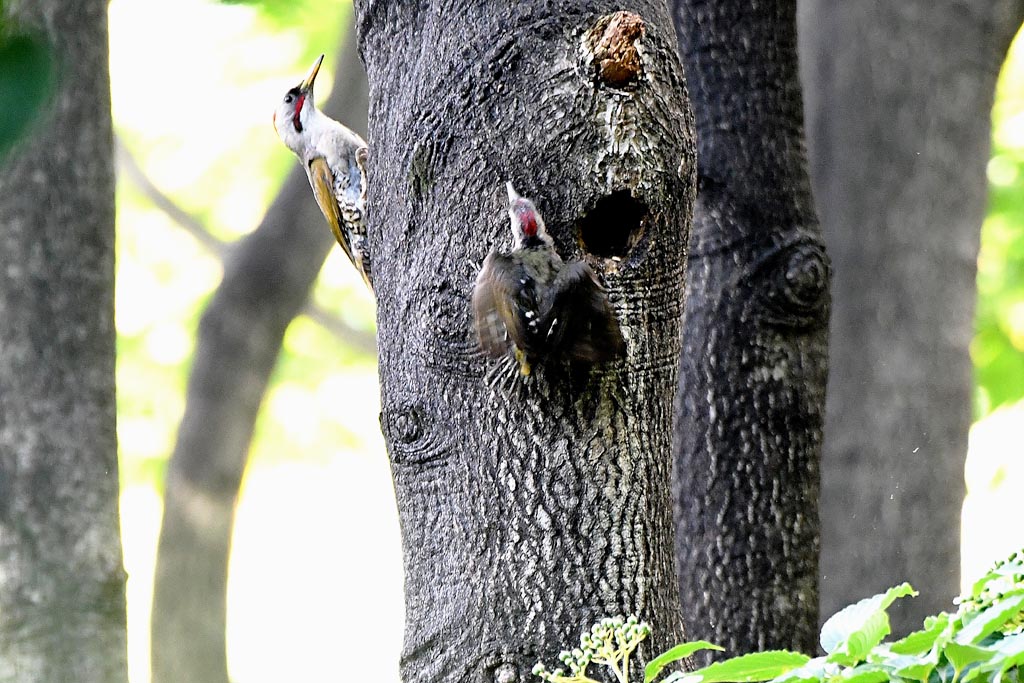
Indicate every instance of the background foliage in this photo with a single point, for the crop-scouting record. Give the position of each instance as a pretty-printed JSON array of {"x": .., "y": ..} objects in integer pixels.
[
  {"x": 998, "y": 349},
  {"x": 27, "y": 78},
  {"x": 197, "y": 122},
  {"x": 983, "y": 640}
]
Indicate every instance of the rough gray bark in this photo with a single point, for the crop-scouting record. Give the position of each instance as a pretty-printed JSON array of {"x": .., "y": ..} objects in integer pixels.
[
  {"x": 526, "y": 512},
  {"x": 898, "y": 109},
  {"x": 267, "y": 279},
  {"x": 62, "y": 609},
  {"x": 754, "y": 359}
]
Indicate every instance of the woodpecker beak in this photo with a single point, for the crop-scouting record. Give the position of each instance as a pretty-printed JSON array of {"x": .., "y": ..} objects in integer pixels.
[
  {"x": 512, "y": 194},
  {"x": 307, "y": 83}
]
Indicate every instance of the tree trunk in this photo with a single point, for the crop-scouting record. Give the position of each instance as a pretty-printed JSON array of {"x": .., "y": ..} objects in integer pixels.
[
  {"x": 62, "y": 605},
  {"x": 899, "y": 103},
  {"x": 530, "y": 510},
  {"x": 754, "y": 358},
  {"x": 266, "y": 283}
]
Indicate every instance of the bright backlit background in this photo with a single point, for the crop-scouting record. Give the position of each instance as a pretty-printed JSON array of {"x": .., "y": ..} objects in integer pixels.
[{"x": 316, "y": 567}]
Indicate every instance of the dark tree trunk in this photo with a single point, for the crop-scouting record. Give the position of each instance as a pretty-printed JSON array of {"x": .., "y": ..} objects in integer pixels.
[
  {"x": 899, "y": 102},
  {"x": 526, "y": 512},
  {"x": 266, "y": 283},
  {"x": 62, "y": 609},
  {"x": 754, "y": 357}
]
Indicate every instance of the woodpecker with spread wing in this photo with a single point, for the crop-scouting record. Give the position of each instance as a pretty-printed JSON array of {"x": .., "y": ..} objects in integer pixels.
[
  {"x": 335, "y": 161},
  {"x": 533, "y": 303}
]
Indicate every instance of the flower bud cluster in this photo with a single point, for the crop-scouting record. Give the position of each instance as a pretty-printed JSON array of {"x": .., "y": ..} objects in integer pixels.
[{"x": 608, "y": 642}]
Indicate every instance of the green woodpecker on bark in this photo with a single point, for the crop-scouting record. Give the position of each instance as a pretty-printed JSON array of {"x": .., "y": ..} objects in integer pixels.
[
  {"x": 532, "y": 303},
  {"x": 335, "y": 161}
]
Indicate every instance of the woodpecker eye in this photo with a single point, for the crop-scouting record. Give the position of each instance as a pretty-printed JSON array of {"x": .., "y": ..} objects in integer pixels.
[{"x": 288, "y": 99}]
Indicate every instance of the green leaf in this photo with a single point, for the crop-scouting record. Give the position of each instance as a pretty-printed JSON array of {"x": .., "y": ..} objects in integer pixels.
[
  {"x": 991, "y": 619},
  {"x": 851, "y": 633},
  {"x": 26, "y": 82},
  {"x": 866, "y": 673},
  {"x": 917, "y": 667},
  {"x": 757, "y": 666},
  {"x": 962, "y": 656},
  {"x": 968, "y": 676},
  {"x": 914, "y": 668},
  {"x": 816, "y": 669},
  {"x": 1009, "y": 655},
  {"x": 1013, "y": 657},
  {"x": 922, "y": 641},
  {"x": 681, "y": 651},
  {"x": 859, "y": 644},
  {"x": 1011, "y": 646},
  {"x": 1013, "y": 566}
]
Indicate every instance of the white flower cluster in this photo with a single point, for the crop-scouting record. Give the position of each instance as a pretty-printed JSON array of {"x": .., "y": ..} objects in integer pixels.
[{"x": 608, "y": 643}]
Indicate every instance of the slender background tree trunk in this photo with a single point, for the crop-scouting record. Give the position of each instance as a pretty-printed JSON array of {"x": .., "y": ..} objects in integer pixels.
[
  {"x": 266, "y": 282},
  {"x": 62, "y": 610},
  {"x": 527, "y": 511},
  {"x": 899, "y": 102},
  {"x": 754, "y": 358}
]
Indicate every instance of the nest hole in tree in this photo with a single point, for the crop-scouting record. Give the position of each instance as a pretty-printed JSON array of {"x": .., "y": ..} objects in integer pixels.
[{"x": 613, "y": 225}]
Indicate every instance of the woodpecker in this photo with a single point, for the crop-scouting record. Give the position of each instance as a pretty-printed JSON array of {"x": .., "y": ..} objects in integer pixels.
[
  {"x": 538, "y": 306},
  {"x": 335, "y": 161}
]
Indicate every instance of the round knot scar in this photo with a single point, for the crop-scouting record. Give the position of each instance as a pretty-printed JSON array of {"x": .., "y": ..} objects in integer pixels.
[{"x": 612, "y": 46}]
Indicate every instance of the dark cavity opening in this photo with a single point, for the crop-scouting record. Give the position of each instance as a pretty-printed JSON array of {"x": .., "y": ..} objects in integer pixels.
[{"x": 613, "y": 226}]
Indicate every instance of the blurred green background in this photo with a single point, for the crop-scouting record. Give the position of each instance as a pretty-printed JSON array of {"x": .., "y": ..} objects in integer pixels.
[
  {"x": 316, "y": 562},
  {"x": 317, "y": 502}
]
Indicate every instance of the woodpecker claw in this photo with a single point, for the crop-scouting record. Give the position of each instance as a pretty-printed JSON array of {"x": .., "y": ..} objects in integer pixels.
[
  {"x": 501, "y": 378},
  {"x": 524, "y": 364}
]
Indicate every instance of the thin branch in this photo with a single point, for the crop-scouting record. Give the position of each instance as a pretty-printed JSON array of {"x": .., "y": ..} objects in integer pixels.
[
  {"x": 127, "y": 163},
  {"x": 190, "y": 223}
]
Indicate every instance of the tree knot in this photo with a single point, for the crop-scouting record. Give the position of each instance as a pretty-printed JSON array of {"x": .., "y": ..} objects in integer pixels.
[
  {"x": 407, "y": 425},
  {"x": 412, "y": 436},
  {"x": 611, "y": 44},
  {"x": 795, "y": 291}
]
